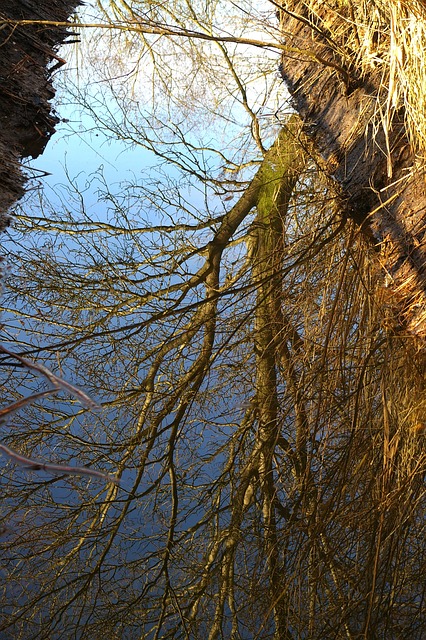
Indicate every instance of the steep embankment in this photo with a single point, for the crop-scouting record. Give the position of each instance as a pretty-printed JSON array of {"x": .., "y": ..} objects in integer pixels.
[
  {"x": 28, "y": 59},
  {"x": 352, "y": 76}
]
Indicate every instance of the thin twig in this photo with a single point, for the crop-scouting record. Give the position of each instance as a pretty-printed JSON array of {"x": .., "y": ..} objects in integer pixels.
[
  {"x": 38, "y": 465},
  {"x": 8, "y": 411},
  {"x": 58, "y": 383}
]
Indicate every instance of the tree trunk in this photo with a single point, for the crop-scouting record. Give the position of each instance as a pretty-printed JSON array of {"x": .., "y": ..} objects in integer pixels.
[
  {"x": 363, "y": 147},
  {"x": 26, "y": 89},
  {"x": 281, "y": 172}
]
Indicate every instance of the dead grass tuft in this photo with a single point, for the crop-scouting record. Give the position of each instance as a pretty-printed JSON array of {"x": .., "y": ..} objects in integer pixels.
[{"x": 386, "y": 39}]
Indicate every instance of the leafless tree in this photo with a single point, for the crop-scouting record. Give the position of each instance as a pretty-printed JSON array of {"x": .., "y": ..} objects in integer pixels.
[{"x": 262, "y": 403}]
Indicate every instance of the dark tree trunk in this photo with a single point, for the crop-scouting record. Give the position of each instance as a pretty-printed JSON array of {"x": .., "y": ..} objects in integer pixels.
[
  {"x": 26, "y": 118},
  {"x": 382, "y": 186}
]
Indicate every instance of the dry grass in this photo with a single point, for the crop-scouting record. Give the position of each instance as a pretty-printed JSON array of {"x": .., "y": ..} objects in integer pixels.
[{"x": 387, "y": 39}]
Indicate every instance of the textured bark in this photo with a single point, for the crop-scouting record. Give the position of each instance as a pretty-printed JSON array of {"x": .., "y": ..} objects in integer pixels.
[
  {"x": 379, "y": 179},
  {"x": 26, "y": 117},
  {"x": 281, "y": 171}
]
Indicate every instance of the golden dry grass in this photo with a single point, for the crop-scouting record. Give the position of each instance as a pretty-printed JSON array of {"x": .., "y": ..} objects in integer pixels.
[{"x": 386, "y": 38}]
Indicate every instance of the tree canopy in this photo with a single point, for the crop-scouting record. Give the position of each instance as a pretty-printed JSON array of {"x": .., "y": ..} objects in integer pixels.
[{"x": 212, "y": 390}]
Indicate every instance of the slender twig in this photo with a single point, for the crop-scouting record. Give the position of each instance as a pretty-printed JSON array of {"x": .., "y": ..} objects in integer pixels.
[
  {"x": 38, "y": 465},
  {"x": 58, "y": 384}
]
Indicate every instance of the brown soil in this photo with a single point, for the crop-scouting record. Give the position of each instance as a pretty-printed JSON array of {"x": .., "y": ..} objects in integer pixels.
[{"x": 27, "y": 60}]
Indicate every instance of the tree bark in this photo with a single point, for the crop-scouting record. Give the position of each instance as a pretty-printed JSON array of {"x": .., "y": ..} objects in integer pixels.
[
  {"x": 281, "y": 171},
  {"x": 369, "y": 157},
  {"x": 26, "y": 117}
]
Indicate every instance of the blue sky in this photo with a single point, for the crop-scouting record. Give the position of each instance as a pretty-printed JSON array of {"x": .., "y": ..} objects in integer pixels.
[{"x": 80, "y": 153}]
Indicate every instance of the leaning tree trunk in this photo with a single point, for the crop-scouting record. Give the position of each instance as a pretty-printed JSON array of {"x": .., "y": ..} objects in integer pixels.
[
  {"x": 358, "y": 130},
  {"x": 26, "y": 117}
]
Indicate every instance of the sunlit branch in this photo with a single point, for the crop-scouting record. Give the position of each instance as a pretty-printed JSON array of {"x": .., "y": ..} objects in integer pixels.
[
  {"x": 183, "y": 33},
  {"x": 62, "y": 469}
]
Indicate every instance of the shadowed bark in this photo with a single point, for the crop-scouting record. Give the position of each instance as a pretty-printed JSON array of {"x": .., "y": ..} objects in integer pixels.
[
  {"x": 365, "y": 151},
  {"x": 26, "y": 117}
]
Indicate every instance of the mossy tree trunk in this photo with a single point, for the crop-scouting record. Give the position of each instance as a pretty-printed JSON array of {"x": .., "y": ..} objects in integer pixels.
[{"x": 281, "y": 173}]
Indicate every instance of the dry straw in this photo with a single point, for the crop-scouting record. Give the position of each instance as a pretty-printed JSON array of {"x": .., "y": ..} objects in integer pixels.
[{"x": 386, "y": 39}]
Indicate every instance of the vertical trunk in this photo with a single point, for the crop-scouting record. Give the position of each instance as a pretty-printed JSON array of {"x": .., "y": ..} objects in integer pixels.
[{"x": 267, "y": 274}]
